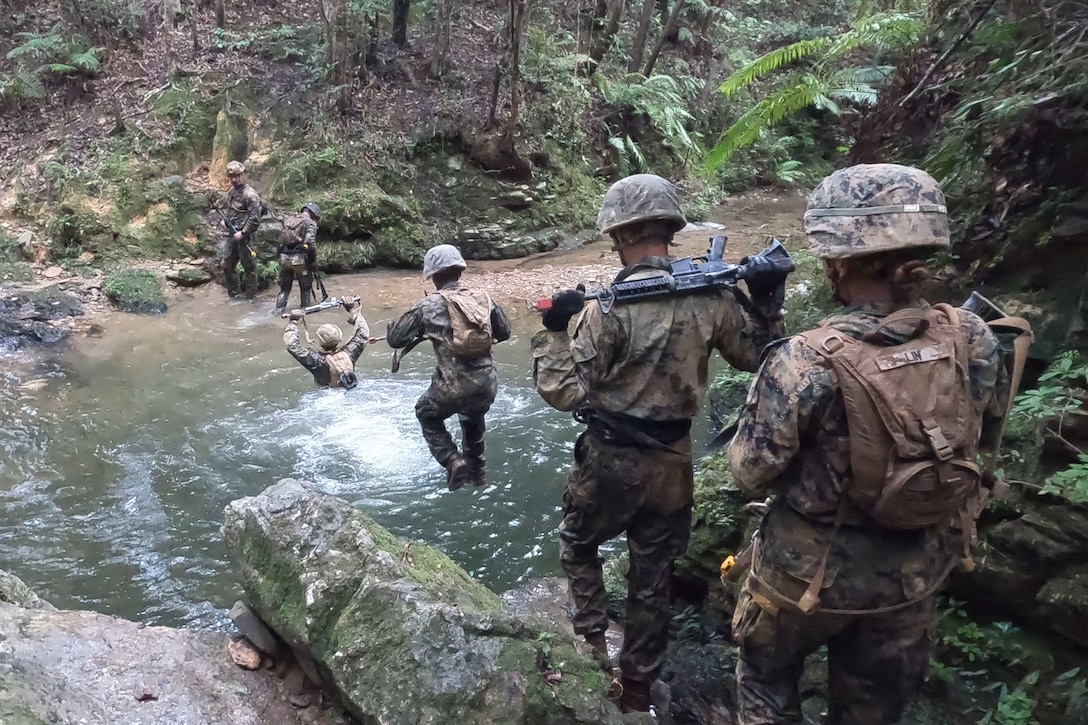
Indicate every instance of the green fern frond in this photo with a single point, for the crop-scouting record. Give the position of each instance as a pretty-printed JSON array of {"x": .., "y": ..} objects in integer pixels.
[
  {"x": 35, "y": 45},
  {"x": 787, "y": 100},
  {"x": 771, "y": 62},
  {"x": 86, "y": 60},
  {"x": 861, "y": 94},
  {"x": 60, "y": 68}
]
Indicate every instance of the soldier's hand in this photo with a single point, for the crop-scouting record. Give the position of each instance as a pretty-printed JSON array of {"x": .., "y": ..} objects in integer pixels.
[
  {"x": 297, "y": 315},
  {"x": 766, "y": 281},
  {"x": 237, "y": 236},
  {"x": 565, "y": 305}
]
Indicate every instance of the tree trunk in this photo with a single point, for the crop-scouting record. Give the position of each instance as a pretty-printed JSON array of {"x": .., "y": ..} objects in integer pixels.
[
  {"x": 496, "y": 82},
  {"x": 604, "y": 42},
  {"x": 400, "y": 21},
  {"x": 221, "y": 14},
  {"x": 442, "y": 18},
  {"x": 670, "y": 25},
  {"x": 639, "y": 47},
  {"x": 371, "y": 57},
  {"x": 518, "y": 11}
]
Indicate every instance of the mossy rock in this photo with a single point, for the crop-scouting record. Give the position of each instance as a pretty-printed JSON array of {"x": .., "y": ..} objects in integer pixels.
[
  {"x": 135, "y": 290},
  {"x": 720, "y": 524},
  {"x": 231, "y": 140},
  {"x": 401, "y": 632}
]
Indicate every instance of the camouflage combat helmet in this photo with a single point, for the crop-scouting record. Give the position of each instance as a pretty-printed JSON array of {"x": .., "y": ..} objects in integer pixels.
[
  {"x": 442, "y": 257},
  {"x": 640, "y": 198},
  {"x": 313, "y": 208},
  {"x": 328, "y": 336},
  {"x": 872, "y": 208},
  {"x": 236, "y": 167}
]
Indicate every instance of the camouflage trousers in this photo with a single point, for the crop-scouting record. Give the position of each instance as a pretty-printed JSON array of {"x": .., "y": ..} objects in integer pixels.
[
  {"x": 648, "y": 494},
  {"x": 469, "y": 400},
  {"x": 305, "y": 288},
  {"x": 876, "y": 662},
  {"x": 234, "y": 252}
]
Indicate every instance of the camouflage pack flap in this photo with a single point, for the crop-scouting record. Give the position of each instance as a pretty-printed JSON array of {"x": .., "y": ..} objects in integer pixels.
[
  {"x": 294, "y": 229},
  {"x": 340, "y": 365},
  {"x": 470, "y": 316},
  {"x": 913, "y": 433}
]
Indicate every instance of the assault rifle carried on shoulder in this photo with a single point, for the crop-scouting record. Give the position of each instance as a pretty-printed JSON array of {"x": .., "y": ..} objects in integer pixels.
[
  {"x": 328, "y": 304},
  {"x": 687, "y": 276}
]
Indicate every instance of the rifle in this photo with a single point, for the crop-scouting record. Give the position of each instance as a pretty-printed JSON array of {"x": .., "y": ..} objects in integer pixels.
[
  {"x": 326, "y": 304},
  {"x": 320, "y": 284},
  {"x": 227, "y": 222},
  {"x": 686, "y": 276}
]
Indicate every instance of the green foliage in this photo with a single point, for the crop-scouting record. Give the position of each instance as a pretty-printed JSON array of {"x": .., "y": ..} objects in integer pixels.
[
  {"x": 306, "y": 171},
  {"x": 135, "y": 290},
  {"x": 277, "y": 43},
  {"x": 40, "y": 58},
  {"x": 823, "y": 84},
  {"x": 660, "y": 99},
  {"x": 1015, "y": 706},
  {"x": 808, "y": 298},
  {"x": 1061, "y": 389},
  {"x": 193, "y": 118}
]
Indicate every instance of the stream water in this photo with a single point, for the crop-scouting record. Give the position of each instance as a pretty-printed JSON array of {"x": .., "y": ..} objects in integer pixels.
[{"x": 118, "y": 454}]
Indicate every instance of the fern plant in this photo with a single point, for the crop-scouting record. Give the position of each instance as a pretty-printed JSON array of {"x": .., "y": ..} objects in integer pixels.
[
  {"x": 822, "y": 83},
  {"x": 662, "y": 100},
  {"x": 40, "y": 55}
]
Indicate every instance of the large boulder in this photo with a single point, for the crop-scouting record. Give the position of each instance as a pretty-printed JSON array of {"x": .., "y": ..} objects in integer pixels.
[
  {"x": 395, "y": 629},
  {"x": 63, "y": 668}
]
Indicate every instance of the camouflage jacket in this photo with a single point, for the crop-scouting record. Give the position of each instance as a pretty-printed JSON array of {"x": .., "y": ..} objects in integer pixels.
[
  {"x": 792, "y": 443},
  {"x": 244, "y": 209},
  {"x": 429, "y": 319},
  {"x": 313, "y": 360},
  {"x": 647, "y": 359}
]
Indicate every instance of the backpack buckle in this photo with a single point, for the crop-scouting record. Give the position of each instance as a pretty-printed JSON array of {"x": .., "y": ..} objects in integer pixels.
[
  {"x": 833, "y": 343},
  {"x": 940, "y": 445}
]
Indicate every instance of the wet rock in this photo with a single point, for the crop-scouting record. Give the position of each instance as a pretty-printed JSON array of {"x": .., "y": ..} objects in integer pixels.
[
  {"x": 400, "y": 639},
  {"x": 25, "y": 317},
  {"x": 14, "y": 591},
  {"x": 1064, "y": 604},
  {"x": 75, "y": 667},
  {"x": 172, "y": 181},
  {"x": 515, "y": 199},
  {"x": 189, "y": 277},
  {"x": 254, "y": 630},
  {"x": 495, "y": 241},
  {"x": 52, "y": 272}
]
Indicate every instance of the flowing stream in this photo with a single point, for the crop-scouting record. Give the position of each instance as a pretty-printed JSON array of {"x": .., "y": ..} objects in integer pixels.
[{"x": 118, "y": 454}]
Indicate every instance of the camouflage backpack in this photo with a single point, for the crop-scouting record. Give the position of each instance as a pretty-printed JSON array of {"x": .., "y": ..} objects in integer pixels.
[
  {"x": 292, "y": 255},
  {"x": 913, "y": 432},
  {"x": 470, "y": 315}
]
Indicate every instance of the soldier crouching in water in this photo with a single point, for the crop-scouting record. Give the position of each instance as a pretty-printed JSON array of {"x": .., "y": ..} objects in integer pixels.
[
  {"x": 636, "y": 376},
  {"x": 858, "y": 537},
  {"x": 461, "y": 324},
  {"x": 334, "y": 365}
]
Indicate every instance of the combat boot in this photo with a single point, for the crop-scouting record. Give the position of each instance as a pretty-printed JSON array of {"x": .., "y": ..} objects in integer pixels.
[
  {"x": 456, "y": 472},
  {"x": 635, "y": 696}
]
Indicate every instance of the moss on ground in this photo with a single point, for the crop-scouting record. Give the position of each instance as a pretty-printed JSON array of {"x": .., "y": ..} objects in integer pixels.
[{"x": 135, "y": 290}]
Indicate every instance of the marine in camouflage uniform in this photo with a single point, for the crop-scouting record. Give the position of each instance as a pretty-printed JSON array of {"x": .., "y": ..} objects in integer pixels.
[
  {"x": 329, "y": 338},
  {"x": 792, "y": 442},
  {"x": 305, "y": 244},
  {"x": 465, "y": 387},
  {"x": 244, "y": 212},
  {"x": 636, "y": 376}
]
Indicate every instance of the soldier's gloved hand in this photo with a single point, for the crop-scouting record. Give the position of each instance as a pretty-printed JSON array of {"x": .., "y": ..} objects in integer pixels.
[
  {"x": 565, "y": 305},
  {"x": 766, "y": 282},
  {"x": 297, "y": 315}
]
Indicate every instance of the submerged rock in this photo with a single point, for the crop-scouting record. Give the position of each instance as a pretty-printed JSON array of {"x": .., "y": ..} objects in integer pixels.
[
  {"x": 398, "y": 631},
  {"x": 26, "y": 317}
]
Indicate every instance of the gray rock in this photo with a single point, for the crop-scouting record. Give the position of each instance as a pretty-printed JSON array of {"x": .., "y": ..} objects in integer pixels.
[
  {"x": 175, "y": 180},
  {"x": 250, "y": 625},
  {"x": 189, "y": 277},
  {"x": 14, "y": 591},
  {"x": 397, "y": 631},
  {"x": 82, "y": 667}
]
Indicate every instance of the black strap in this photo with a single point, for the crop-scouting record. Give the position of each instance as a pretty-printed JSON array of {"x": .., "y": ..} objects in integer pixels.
[{"x": 624, "y": 430}]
